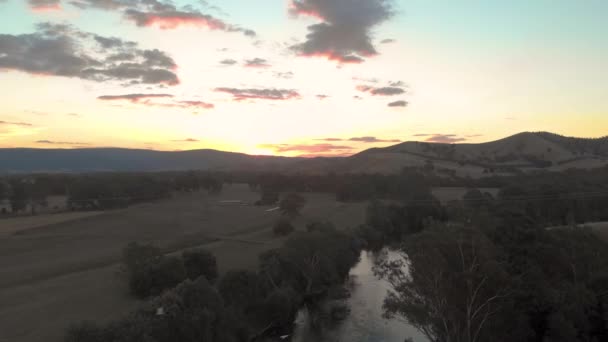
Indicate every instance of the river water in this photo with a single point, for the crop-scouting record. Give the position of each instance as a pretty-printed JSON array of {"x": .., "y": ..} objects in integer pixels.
[{"x": 365, "y": 322}]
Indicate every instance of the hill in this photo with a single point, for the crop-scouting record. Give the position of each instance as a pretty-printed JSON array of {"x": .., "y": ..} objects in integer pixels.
[
  {"x": 522, "y": 152},
  {"x": 518, "y": 153},
  {"x": 118, "y": 159}
]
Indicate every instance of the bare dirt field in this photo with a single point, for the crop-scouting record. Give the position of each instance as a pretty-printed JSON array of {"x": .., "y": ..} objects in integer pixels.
[{"x": 65, "y": 270}]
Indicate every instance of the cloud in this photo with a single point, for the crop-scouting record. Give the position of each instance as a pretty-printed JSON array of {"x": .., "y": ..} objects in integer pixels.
[
  {"x": 74, "y": 115},
  {"x": 373, "y": 140},
  {"x": 146, "y": 99},
  {"x": 135, "y": 98},
  {"x": 44, "y": 5},
  {"x": 262, "y": 94},
  {"x": 284, "y": 75},
  {"x": 186, "y": 140},
  {"x": 62, "y": 50},
  {"x": 322, "y": 96},
  {"x": 315, "y": 148},
  {"x": 9, "y": 123},
  {"x": 228, "y": 61},
  {"x": 162, "y": 14},
  {"x": 51, "y": 142},
  {"x": 257, "y": 63},
  {"x": 325, "y": 155},
  {"x": 387, "y": 41},
  {"x": 367, "y": 80},
  {"x": 194, "y": 104},
  {"x": 445, "y": 138},
  {"x": 398, "y": 104},
  {"x": 344, "y": 33},
  {"x": 382, "y": 91},
  {"x": 331, "y": 139}
]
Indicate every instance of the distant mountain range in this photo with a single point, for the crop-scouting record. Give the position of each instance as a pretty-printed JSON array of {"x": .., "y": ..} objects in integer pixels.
[{"x": 519, "y": 153}]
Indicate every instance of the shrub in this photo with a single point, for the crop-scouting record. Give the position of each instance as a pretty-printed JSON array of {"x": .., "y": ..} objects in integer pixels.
[
  {"x": 291, "y": 204},
  {"x": 85, "y": 332},
  {"x": 282, "y": 228},
  {"x": 200, "y": 262}
]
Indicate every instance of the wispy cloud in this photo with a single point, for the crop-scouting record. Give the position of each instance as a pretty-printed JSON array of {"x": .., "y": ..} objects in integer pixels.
[
  {"x": 240, "y": 94},
  {"x": 12, "y": 123},
  {"x": 147, "y": 100},
  {"x": 186, "y": 140},
  {"x": 373, "y": 140},
  {"x": 256, "y": 63},
  {"x": 398, "y": 104},
  {"x": 52, "y": 142},
  {"x": 228, "y": 61},
  {"x": 445, "y": 138},
  {"x": 382, "y": 91},
  {"x": 44, "y": 5},
  {"x": 135, "y": 98},
  {"x": 314, "y": 148}
]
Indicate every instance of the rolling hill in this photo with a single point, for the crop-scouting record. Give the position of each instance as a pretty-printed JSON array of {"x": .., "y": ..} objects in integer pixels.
[{"x": 519, "y": 153}]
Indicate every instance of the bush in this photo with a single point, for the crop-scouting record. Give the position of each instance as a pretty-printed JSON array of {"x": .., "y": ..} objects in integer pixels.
[
  {"x": 282, "y": 228},
  {"x": 149, "y": 271},
  {"x": 320, "y": 226},
  {"x": 155, "y": 277},
  {"x": 136, "y": 256},
  {"x": 200, "y": 262}
]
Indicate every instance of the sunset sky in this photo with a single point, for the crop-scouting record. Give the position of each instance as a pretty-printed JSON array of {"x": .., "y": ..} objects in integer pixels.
[{"x": 301, "y": 77}]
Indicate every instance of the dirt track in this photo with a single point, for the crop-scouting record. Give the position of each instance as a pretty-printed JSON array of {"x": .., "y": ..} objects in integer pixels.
[{"x": 66, "y": 272}]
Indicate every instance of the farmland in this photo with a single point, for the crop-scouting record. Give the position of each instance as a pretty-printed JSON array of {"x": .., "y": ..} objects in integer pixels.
[{"x": 65, "y": 271}]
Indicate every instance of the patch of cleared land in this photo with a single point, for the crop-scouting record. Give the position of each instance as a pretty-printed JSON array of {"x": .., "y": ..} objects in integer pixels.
[{"x": 57, "y": 272}]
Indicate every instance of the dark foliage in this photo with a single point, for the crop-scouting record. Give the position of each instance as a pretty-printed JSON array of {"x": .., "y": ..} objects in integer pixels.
[{"x": 200, "y": 262}]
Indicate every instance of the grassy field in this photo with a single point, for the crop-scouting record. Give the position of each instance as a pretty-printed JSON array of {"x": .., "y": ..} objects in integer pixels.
[
  {"x": 445, "y": 195},
  {"x": 65, "y": 269},
  {"x": 9, "y": 226}
]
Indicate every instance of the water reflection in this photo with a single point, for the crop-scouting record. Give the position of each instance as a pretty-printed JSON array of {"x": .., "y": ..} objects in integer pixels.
[{"x": 365, "y": 322}]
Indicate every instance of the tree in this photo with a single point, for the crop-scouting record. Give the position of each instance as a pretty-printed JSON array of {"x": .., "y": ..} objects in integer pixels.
[
  {"x": 291, "y": 204},
  {"x": 242, "y": 289},
  {"x": 200, "y": 262},
  {"x": 448, "y": 284},
  {"x": 19, "y": 196},
  {"x": 157, "y": 276}
]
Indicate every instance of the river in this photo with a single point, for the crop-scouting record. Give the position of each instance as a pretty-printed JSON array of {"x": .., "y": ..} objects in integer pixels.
[{"x": 365, "y": 322}]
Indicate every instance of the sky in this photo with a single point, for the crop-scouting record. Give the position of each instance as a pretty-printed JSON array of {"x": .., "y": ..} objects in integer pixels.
[{"x": 298, "y": 77}]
